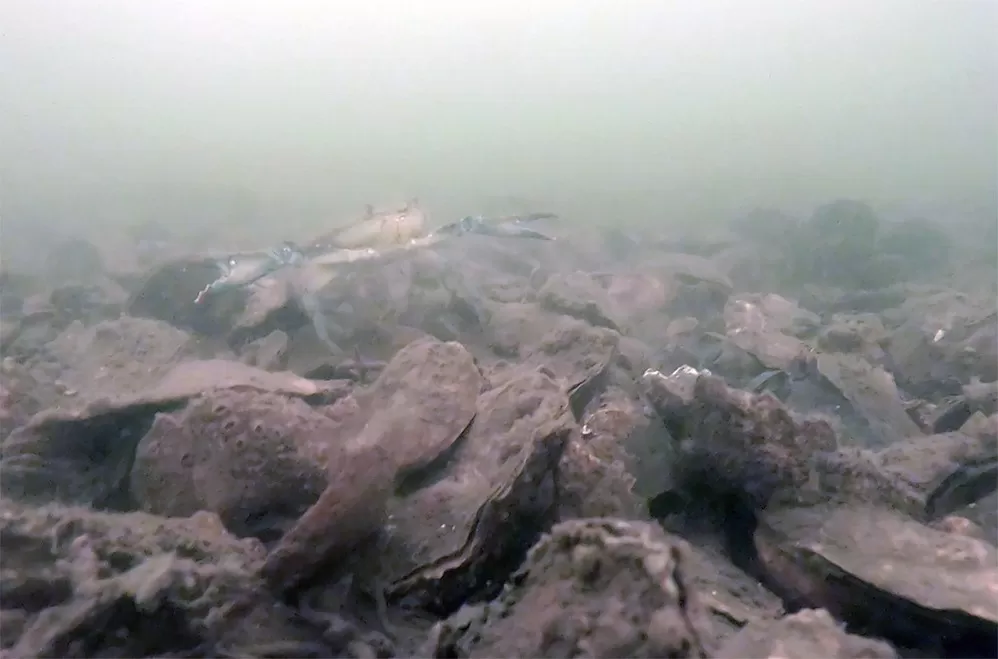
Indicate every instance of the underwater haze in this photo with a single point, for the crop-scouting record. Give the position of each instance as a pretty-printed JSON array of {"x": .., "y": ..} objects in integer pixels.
[{"x": 274, "y": 115}]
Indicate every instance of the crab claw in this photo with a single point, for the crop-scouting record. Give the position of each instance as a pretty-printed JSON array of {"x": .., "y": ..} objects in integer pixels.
[
  {"x": 508, "y": 230},
  {"x": 203, "y": 294},
  {"x": 289, "y": 254},
  {"x": 469, "y": 224},
  {"x": 504, "y": 228},
  {"x": 517, "y": 231},
  {"x": 533, "y": 217},
  {"x": 223, "y": 271}
]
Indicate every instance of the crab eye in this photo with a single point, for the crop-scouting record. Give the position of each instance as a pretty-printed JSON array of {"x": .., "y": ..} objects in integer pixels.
[{"x": 232, "y": 262}]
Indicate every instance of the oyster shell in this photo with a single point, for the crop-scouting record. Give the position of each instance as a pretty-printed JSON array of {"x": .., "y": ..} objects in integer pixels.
[
  {"x": 419, "y": 406},
  {"x": 460, "y": 533}
]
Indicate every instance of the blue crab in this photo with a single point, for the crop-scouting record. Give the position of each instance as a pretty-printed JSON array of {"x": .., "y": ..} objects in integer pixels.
[
  {"x": 375, "y": 228},
  {"x": 289, "y": 271},
  {"x": 376, "y": 235}
]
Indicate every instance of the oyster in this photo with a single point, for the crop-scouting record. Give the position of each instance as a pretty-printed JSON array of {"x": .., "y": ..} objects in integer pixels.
[
  {"x": 847, "y": 529},
  {"x": 461, "y": 530},
  {"x": 590, "y": 588},
  {"x": 802, "y": 635},
  {"x": 883, "y": 570},
  {"x": 416, "y": 410},
  {"x": 167, "y": 587},
  {"x": 84, "y": 454}
]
